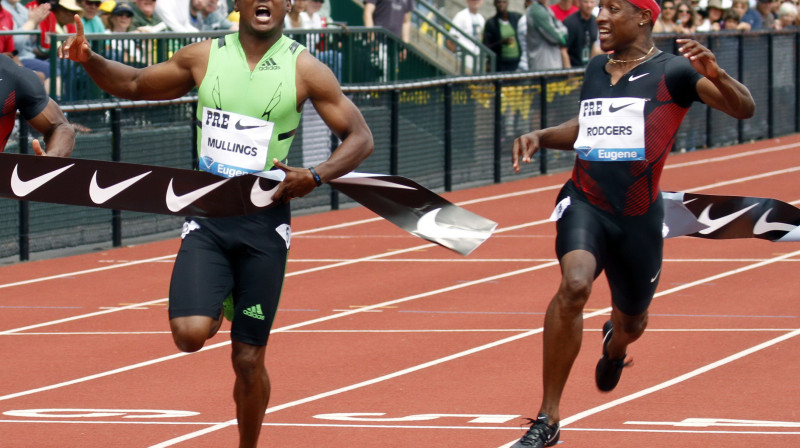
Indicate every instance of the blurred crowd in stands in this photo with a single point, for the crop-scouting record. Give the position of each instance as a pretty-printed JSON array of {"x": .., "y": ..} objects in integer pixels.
[
  {"x": 563, "y": 34},
  {"x": 542, "y": 35}
]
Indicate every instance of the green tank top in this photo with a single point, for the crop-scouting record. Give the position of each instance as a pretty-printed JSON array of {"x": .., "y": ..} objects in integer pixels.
[{"x": 246, "y": 118}]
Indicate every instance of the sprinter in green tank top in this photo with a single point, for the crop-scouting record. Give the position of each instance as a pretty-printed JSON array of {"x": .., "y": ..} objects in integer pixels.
[{"x": 252, "y": 88}]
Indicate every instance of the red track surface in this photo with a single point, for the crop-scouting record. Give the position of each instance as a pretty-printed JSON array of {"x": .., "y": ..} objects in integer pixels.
[{"x": 385, "y": 341}]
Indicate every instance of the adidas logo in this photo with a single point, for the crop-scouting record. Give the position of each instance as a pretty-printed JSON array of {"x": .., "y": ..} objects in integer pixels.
[
  {"x": 269, "y": 64},
  {"x": 255, "y": 312}
]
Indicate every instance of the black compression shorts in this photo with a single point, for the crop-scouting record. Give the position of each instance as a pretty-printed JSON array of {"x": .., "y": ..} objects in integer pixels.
[
  {"x": 244, "y": 256},
  {"x": 628, "y": 248}
]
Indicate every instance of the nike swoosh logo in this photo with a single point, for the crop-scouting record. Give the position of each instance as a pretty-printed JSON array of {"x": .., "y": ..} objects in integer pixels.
[
  {"x": 652, "y": 280},
  {"x": 427, "y": 227},
  {"x": 612, "y": 108},
  {"x": 100, "y": 195},
  {"x": 763, "y": 226},
  {"x": 176, "y": 203},
  {"x": 634, "y": 78},
  {"x": 715, "y": 224},
  {"x": 260, "y": 197},
  {"x": 23, "y": 188},
  {"x": 243, "y": 127}
]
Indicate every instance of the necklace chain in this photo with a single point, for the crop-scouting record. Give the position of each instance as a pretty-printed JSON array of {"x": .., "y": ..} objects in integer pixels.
[{"x": 620, "y": 61}]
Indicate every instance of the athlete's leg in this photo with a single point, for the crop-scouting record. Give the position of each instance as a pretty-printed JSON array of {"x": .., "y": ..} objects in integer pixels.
[
  {"x": 190, "y": 333},
  {"x": 563, "y": 326},
  {"x": 251, "y": 390},
  {"x": 627, "y": 329}
]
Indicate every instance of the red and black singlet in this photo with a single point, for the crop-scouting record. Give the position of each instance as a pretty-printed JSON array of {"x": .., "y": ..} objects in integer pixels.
[
  {"x": 20, "y": 89},
  {"x": 608, "y": 171}
]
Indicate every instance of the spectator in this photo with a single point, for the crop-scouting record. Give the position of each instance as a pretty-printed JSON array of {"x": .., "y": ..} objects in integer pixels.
[
  {"x": 394, "y": 15},
  {"x": 731, "y": 21},
  {"x": 666, "y": 20},
  {"x": 144, "y": 18},
  {"x": 64, "y": 12},
  {"x": 545, "y": 38},
  {"x": 320, "y": 13},
  {"x": 215, "y": 16},
  {"x": 27, "y": 20},
  {"x": 563, "y": 9},
  {"x": 91, "y": 20},
  {"x": 685, "y": 18},
  {"x": 713, "y": 20},
  {"x": 470, "y": 22},
  {"x": 749, "y": 19},
  {"x": 765, "y": 9},
  {"x": 49, "y": 24},
  {"x": 522, "y": 30},
  {"x": 176, "y": 14},
  {"x": 297, "y": 18},
  {"x": 500, "y": 36},
  {"x": 787, "y": 16},
  {"x": 105, "y": 11},
  {"x": 582, "y": 34},
  {"x": 7, "y": 42},
  {"x": 121, "y": 18}
]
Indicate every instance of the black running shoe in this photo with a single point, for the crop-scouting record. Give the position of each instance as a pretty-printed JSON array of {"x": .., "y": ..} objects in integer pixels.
[
  {"x": 608, "y": 371},
  {"x": 540, "y": 434}
]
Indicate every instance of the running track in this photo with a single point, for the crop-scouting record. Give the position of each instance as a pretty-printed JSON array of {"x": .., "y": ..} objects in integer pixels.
[{"x": 384, "y": 341}]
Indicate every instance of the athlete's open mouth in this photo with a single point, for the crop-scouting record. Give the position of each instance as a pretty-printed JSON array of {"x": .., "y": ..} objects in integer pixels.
[{"x": 263, "y": 12}]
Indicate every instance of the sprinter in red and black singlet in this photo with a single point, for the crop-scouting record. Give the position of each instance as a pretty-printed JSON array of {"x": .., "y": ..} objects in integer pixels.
[
  {"x": 609, "y": 215},
  {"x": 21, "y": 90}
]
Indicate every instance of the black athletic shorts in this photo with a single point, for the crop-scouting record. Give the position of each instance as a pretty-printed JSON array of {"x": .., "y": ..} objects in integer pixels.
[
  {"x": 244, "y": 256},
  {"x": 628, "y": 248}
]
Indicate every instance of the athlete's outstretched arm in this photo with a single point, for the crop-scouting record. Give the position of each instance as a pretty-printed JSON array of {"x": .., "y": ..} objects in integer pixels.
[
  {"x": 171, "y": 79},
  {"x": 316, "y": 82},
  {"x": 562, "y": 137},
  {"x": 59, "y": 135},
  {"x": 717, "y": 89}
]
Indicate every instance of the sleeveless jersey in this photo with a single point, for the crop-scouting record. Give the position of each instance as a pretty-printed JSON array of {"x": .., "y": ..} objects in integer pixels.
[
  {"x": 247, "y": 118},
  {"x": 627, "y": 130}
]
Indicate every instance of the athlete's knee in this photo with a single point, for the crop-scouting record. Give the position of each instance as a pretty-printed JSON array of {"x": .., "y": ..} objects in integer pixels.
[
  {"x": 189, "y": 334},
  {"x": 248, "y": 362},
  {"x": 633, "y": 326},
  {"x": 575, "y": 289}
]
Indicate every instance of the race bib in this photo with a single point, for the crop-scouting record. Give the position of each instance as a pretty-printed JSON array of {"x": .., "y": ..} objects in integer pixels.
[
  {"x": 611, "y": 130},
  {"x": 233, "y": 144}
]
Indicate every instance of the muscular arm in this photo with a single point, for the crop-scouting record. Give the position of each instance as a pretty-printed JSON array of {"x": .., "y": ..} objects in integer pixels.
[
  {"x": 717, "y": 89},
  {"x": 167, "y": 80},
  {"x": 59, "y": 135},
  {"x": 317, "y": 83}
]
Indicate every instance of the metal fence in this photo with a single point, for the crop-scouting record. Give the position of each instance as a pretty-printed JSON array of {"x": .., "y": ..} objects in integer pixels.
[{"x": 444, "y": 133}]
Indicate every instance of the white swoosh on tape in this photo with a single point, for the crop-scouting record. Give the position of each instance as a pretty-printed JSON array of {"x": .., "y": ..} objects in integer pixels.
[
  {"x": 260, "y": 197},
  {"x": 429, "y": 228},
  {"x": 100, "y": 195},
  {"x": 176, "y": 203},
  {"x": 714, "y": 224},
  {"x": 23, "y": 188},
  {"x": 763, "y": 226}
]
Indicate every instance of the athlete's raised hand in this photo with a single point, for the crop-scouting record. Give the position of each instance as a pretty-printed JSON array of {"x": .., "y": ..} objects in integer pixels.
[
  {"x": 701, "y": 58},
  {"x": 76, "y": 47},
  {"x": 298, "y": 182},
  {"x": 37, "y": 148},
  {"x": 524, "y": 148}
]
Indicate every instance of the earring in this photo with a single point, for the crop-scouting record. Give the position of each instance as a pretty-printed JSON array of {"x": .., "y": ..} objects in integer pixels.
[{"x": 641, "y": 23}]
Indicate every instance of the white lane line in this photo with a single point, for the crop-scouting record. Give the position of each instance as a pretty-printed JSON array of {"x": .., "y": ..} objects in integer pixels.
[
  {"x": 467, "y": 352},
  {"x": 279, "y": 330}
]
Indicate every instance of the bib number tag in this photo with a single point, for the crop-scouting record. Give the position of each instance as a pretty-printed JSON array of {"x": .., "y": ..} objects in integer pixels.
[
  {"x": 233, "y": 144},
  {"x": 611, "y": 130}
]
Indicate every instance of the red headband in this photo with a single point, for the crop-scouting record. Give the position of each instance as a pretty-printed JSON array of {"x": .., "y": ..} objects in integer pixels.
[{"x": 650, "y": 5}]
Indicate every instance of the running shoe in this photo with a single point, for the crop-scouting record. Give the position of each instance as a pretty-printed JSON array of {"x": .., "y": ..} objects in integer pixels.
[
  {"x": 227, "y": 307},
  {"x": 608, "y": 371},
  {"x": 540, "y": 434}
]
